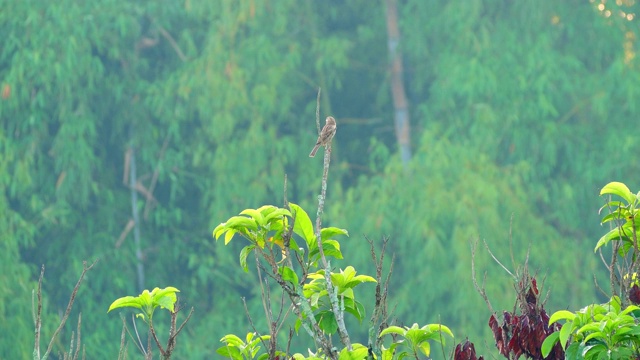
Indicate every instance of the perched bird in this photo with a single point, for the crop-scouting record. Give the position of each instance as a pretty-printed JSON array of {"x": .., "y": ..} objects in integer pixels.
[{"x": 326, "y": 135}]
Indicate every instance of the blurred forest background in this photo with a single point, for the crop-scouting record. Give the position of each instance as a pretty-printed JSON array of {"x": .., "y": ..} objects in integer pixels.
[{"x": 519, "y": 112}]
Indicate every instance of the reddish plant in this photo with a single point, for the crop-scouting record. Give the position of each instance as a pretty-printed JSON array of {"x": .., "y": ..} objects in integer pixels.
[
  {"x": 523, "y": 334},
  {"x": 634, "y": 294},
  {"x": 466, "y": 351}
]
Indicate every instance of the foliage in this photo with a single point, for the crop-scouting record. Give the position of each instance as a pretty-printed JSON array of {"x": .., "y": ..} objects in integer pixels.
[
  {"x": 608, "y": 330},
  {"x": 148, "y": 302},
  {"x": 524, "y": 334},
  {"x": 314, "y": 292},
  {"x": 314, "y": 306},
  {"x": 516, "y": 108},
  {"x": 623, "y": 215},
  {"x": 597, "y": 331},
  {"x": 415, "y": 340},
  {"x": 238, "y": 349},
  {"x": 466, "y": 351}
]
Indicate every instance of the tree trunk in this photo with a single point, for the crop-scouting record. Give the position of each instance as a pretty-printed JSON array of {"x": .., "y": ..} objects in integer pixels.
[{"x": 401, "y": 108}]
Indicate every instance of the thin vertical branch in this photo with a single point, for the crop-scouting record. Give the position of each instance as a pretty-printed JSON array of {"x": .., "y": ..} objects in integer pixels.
[
  {"x": 78, "y": 337},
  {"x": 136, "y": 218},
  {"x": 331, "y": 291},
  {"x": 38, "y": 315},
  {"x": 380, "y": 316},
  {"x": 123, "y": 348},
  {"x": 85, "y": 268},
  {"x": 318, "y": 110}
]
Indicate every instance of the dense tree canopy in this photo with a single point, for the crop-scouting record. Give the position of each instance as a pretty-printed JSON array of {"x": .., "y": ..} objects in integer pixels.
[{"x": 520, "y": 111}]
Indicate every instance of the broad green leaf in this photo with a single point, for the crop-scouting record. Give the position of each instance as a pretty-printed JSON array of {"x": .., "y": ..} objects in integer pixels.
[
  {"x": 393, "y": 330},
  {"x": 276, "y": 214},
  {"x": 613, "y": 216},
  {"x": 612, "y": 206},
  {"x": 256, "y": 215},
  {"x": 232, "y": 340},
  {"x": 165, "y": 298},
  {"x": 358, "y": 352},
  {"x": 629, "y": 309},
  {"x": 303, "y": 226},
  {"x": 588, "y": 328},
  {"x": 594, "y": 350},
  {"x": 561, "y": 315},
  {"x": 244, "y": 253},
  {"x": 230, "y": 352},
  {"x": 346, "y": 293},
  {"x": 241, "y": 223},
  {"x": 425, "y": 347},
  {"x": 548, "y": 343},
  {"x": 360, "y": 279},
  {"x": 329, "y": 232},
  {"x": 565, "y": 333},
  {"x": 438, "y": 328},
  {"x": 620, "y": 189},
  {"x": 289, "y": 275},
  {"x": 355, "y": 308},
  {"x": 574, "y": 352},
  {"x": 615, "y": 303},
  {"x": 229, "y": 235},
  {"x": 218, "y": 230},
  {"x": 327, "y": 322},
  {"x": 257, "y": 340},
  {"x": 619, "y": 233},
  {"x": 127, "y": 301}
]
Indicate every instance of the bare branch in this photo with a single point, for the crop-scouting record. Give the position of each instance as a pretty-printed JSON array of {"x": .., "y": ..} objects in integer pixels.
[
  {"x": 38, "y": 314},
  {"x": 85, "y": 268},
  {"x": 496, "y": 260},
  {"x": 480, "y": 289}
]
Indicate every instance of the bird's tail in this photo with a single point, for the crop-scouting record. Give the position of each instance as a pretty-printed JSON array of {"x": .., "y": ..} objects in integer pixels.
[{"x": 314, "y": 151}]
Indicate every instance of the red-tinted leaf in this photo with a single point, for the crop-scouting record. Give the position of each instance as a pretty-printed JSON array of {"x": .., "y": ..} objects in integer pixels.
[{"x": 634, "y": 294}]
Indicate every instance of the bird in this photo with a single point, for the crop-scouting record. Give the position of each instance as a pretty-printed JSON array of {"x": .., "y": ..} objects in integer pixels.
[{"x": 326, "y": 135}]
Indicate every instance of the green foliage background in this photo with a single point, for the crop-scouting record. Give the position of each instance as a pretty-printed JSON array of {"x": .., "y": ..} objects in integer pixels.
[{"x": 520, "y": 112}]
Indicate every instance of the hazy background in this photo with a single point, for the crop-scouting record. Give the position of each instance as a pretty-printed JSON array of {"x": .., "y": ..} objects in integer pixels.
[{"x": 519, "y": 112}]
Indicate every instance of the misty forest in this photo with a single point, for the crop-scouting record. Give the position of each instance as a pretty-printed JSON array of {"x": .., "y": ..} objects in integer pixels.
[{"x": 477, "y": 200}]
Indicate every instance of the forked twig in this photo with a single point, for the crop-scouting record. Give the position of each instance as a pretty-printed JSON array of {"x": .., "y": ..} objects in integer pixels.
[{"x": 72, "y": 299}]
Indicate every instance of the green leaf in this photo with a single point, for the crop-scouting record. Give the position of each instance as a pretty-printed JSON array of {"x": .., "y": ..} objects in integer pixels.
[
  {"x": 620, "y": 233},
  {"x": 148, "y": 301},
  {"x": 393, "y": 330},
  {"x": 620, "y": 189},
  {"x": 244, "y": 253},
  {"x": 276, "y": 214},
  {"x": 548, "y": 343},
  {"x": 229, "y": 235},
  {"x": 165, "y": 298},
  {"x": 561, "y": 315},
  {"x": 329, "y": 232},
  {"x": 127, "y": 301},
  {"x": 230, "y": 352},
  {"x": 241, "y": 223},
  {"x": 256, "y": 215},
  {"x": 565, "y": 333},
  {"x": 438, "y": 328},
  {"x": 425, "y": 347},
  {"x": 289, "y": 275},
  {"x": 232, "y": 340},
  {"x": 594, "y": 351},
  {"x": 358, "y": 352},
  {"x": 355, "y": 308},
  {"x": 613, "y": 216},
  {"x": 327, "y": 322},
  {"x": 574, "y": 352},
  {"x": 303, "y": 226}
]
